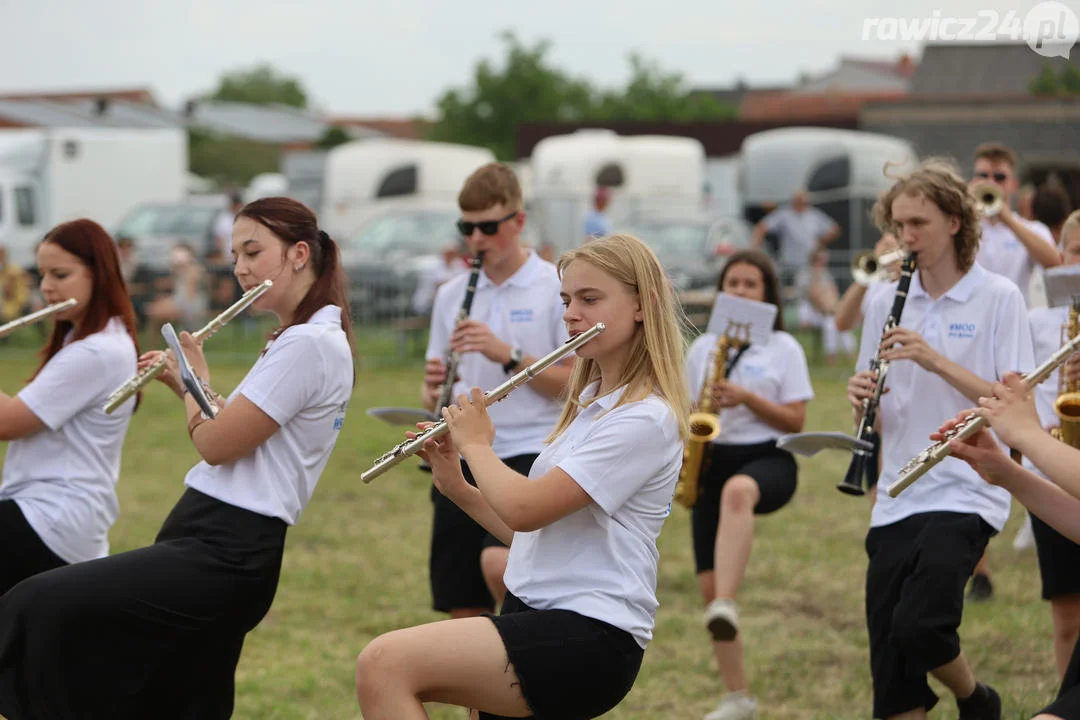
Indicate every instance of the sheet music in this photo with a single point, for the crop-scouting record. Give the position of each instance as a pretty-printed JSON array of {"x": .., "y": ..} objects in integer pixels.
[
  {"x": 187, "y": 375},
  {"x": 1062, "y": 283},
  {"x": 729, "y": 308}
]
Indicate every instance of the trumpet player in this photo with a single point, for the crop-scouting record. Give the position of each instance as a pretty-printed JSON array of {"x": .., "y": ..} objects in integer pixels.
[
  {"x": 962, "y": 328},
  {"x": 515, "y": 318},
  {"x": 165, "y": 624},
  {"x": 1058, "y": 556},
  {"x": 581, "y": 580},
  {"x": 763, "y": 394},
  {"x": 58, "y": 496}
]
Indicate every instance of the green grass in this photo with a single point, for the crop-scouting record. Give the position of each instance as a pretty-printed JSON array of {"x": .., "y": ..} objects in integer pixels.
[{"x": 356, "y": 566}]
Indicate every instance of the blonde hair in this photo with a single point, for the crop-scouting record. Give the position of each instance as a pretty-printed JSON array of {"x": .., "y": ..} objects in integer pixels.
[
  {"x": 1071, "y": 223},
  {"x": 654, "y": 362},
  {"x": 939, "y": 182}
]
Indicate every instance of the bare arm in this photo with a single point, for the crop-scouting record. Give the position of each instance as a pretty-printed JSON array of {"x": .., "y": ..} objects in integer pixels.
[{"x": 1040, "y": 250}]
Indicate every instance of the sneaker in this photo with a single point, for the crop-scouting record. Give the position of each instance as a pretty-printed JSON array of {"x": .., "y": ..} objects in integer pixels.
[
  {"x": 1025, "y": 536},
  {"x": 980, "y": 589},
  {"x": 984, "y": 704},
  {"x": 722, "y": 619},
  {"x": 734, "y": 706}
]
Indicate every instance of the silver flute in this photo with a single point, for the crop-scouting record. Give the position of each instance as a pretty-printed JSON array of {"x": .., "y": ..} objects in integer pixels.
[
  {"x": 409, "y": 448},
  {"x": 8, "y": 328},
  {"x": 931, "y": 456},
  {"x": 139, "y": 381}
]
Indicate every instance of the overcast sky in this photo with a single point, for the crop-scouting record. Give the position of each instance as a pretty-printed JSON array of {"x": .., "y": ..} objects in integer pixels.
[{"x": 394, "y": 57}]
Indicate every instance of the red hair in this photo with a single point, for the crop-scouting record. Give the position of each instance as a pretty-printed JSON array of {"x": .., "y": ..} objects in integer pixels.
[{"x": 109, "y": 298}]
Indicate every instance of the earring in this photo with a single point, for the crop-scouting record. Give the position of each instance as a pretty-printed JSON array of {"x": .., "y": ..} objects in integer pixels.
[{"x": 299, "y": 267}]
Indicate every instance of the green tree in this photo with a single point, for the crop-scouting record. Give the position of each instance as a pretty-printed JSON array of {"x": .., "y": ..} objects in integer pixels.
[
  {"x": 261, "y": 85},
  {"x": 229, "y": 161},
  {"x": 334, "y": 136},
  {"x": 1046, "y": 83},
  {"x": 653, "y": 95},
  {"x": 526, "y": 89},
  {"x": 1070, "y": 80}
]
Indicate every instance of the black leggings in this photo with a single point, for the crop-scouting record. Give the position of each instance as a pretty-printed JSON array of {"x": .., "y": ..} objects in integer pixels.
[{"x": 24, "y": 554}]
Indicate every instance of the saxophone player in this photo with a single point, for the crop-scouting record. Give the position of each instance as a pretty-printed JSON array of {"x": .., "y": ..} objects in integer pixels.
[
  {"x": 515, "y": 318},
  {"x": 762, "y": 395},
  {"x": 962, "y": 328},
  {"x": 1058, "y": 556}
]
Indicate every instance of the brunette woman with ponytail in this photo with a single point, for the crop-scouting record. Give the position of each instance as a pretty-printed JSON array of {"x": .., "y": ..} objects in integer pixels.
[
  {"x": 58, "y": 496},
  {"x": 157, "y": 632}
]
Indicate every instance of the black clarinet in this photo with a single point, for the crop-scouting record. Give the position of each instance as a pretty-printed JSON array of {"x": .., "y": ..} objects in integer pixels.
[
  {"x": 862, "y": 472},
  {"x": 453, "y": 358}
]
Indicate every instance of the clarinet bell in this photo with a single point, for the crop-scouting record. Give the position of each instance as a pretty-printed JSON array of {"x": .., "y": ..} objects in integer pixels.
[{"x": 852, "y": 484}]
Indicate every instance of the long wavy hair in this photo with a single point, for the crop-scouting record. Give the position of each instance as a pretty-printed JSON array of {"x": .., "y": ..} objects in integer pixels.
[
  {"x": 109, "y": 298},
  {"x": 939, "y": 181},
  {"x": 655, "y": 359}
]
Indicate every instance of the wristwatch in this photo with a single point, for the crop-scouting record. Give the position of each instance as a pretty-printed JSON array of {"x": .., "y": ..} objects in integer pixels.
[{"x": 516, "y": 356}]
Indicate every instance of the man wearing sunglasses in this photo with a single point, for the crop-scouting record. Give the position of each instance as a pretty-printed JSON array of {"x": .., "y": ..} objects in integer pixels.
[
  {"x": 1011, "y": 246},
  {"x": 515, "y": 319}
]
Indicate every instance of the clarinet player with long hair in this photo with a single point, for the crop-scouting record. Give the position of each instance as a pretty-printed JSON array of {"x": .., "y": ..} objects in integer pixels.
[
  {"x": 962, "y": 328},
  {"x": 157, "y": 632},
  {"x": 58, "y": 497}
]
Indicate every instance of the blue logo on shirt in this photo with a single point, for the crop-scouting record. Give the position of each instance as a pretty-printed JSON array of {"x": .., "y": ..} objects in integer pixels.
[
  {"x": 523, "y": 315},
  {"x": 753, "y": 370},
  {"x": 338, "y": 423},
  {"x": 962, "y": 330}
]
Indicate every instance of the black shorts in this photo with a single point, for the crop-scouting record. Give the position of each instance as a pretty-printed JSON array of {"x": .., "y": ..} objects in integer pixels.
[
  {"x": 456, "y": 543},
  {"x": 915, "y": 601},
  {"x": 1067, "y": 703},
  {"x": 24, "y": 554},
  {"x": 1059, "y": 558},
  {"x": 571, "y": 667},
  {"x": 774, "y": 470}
]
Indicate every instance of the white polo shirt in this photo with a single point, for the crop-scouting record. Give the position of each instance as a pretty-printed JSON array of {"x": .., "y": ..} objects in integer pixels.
[
  {"x": 303, "y": 381},
  {"x": 1000, "y": 252},
  {"x": 875, "y": 289},
  {"x": 601, "y": 561},
  {"x": 777, "y": 371},
  {"x": 64, "y": 476},
  {"x": 981, "y": 324},
  {"x": 525, "y": 311}
]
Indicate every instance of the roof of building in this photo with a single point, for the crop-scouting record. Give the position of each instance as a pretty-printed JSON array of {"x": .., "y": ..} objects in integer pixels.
[
  {"x": 994, "y": 68},
  {"x": 404, "y": 128},
  {"x": 137, "y": 95}
]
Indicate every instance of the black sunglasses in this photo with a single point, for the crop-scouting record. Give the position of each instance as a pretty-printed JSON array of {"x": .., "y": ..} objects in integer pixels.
[
  {"x": 998, "y": 176},
  {"x": 488, "y": 227}
]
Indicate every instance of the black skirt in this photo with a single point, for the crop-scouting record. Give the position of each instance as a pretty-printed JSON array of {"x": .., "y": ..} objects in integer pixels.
[{"x": 155, "y": 632}]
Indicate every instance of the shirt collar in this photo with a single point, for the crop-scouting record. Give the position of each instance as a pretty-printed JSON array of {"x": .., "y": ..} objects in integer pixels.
[
  {"x": 523, "y": 278},
  {"x": 606, "y": 402},
  {"x": 326, "y": 315},
  {"x": 960, "y": 292}
]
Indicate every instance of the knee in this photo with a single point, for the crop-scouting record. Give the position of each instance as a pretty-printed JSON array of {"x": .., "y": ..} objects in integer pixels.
[
  {"x": 740, "y": 495},
  {"x": 493, "y": 565},
  {"x": 1066, "y": 613},
  {"x": 376, "y": 668}
]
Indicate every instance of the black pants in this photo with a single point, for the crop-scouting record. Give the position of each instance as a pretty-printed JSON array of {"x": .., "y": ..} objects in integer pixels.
[
  {"x": 1067, "y": 703},
  {"x": 915, "y": 601},
  {"x": 152, "y": 633},
  {"x": 456, "y": 543},
  {"x": 24, "y": 554}
]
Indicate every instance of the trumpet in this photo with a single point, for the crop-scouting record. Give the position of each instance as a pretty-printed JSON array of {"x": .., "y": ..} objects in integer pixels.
[
  {"x": 8, "y": 328},
  {"x": 988, "y": 197},
  {"x": 139, "y": 381},
  {"x": 931, "y": 456},
  {"x": 409, "y": 448},
  {"x": 867, "y": 267}
]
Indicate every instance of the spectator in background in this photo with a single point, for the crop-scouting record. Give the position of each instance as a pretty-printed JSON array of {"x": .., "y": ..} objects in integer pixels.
[
  {"x": 139, "y": 279},
  {"x": 1025, "y": 197},
  {"x": 224, "y": 223},
  {"x": 14, "y": 289},
  {"x": 597, "y": 223},
  {"x": 187, "y": 304},
  {"x": 1051, "y": 206},
  {"x": 801, "y": 229},
  {"x": 817, "y": 294},
  {"x": 453, "y": 263}
]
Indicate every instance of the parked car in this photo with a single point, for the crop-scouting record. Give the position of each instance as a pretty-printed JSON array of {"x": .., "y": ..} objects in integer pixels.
[
  {"x": 158, "y": 227},
  {"x": 386, "y": 257}
]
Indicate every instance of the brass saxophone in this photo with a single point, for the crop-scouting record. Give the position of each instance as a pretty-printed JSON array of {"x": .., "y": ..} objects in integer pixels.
[
  {"x": 1067, "y": 404},
  {"x": 704, "y": 423}
]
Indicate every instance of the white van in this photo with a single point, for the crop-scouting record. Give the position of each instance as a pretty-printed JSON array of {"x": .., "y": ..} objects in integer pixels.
[{"x": 49, "y": 176}]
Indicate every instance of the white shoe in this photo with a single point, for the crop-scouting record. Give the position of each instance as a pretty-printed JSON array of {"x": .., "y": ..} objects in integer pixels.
[
  {"x": 722, "y": 619},
  {"x": 734, "y": 706},
  {"x": 1025, "y": 536}
]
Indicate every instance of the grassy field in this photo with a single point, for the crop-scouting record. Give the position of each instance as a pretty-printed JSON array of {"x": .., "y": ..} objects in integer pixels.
[{"x": 356, "y": 566}]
